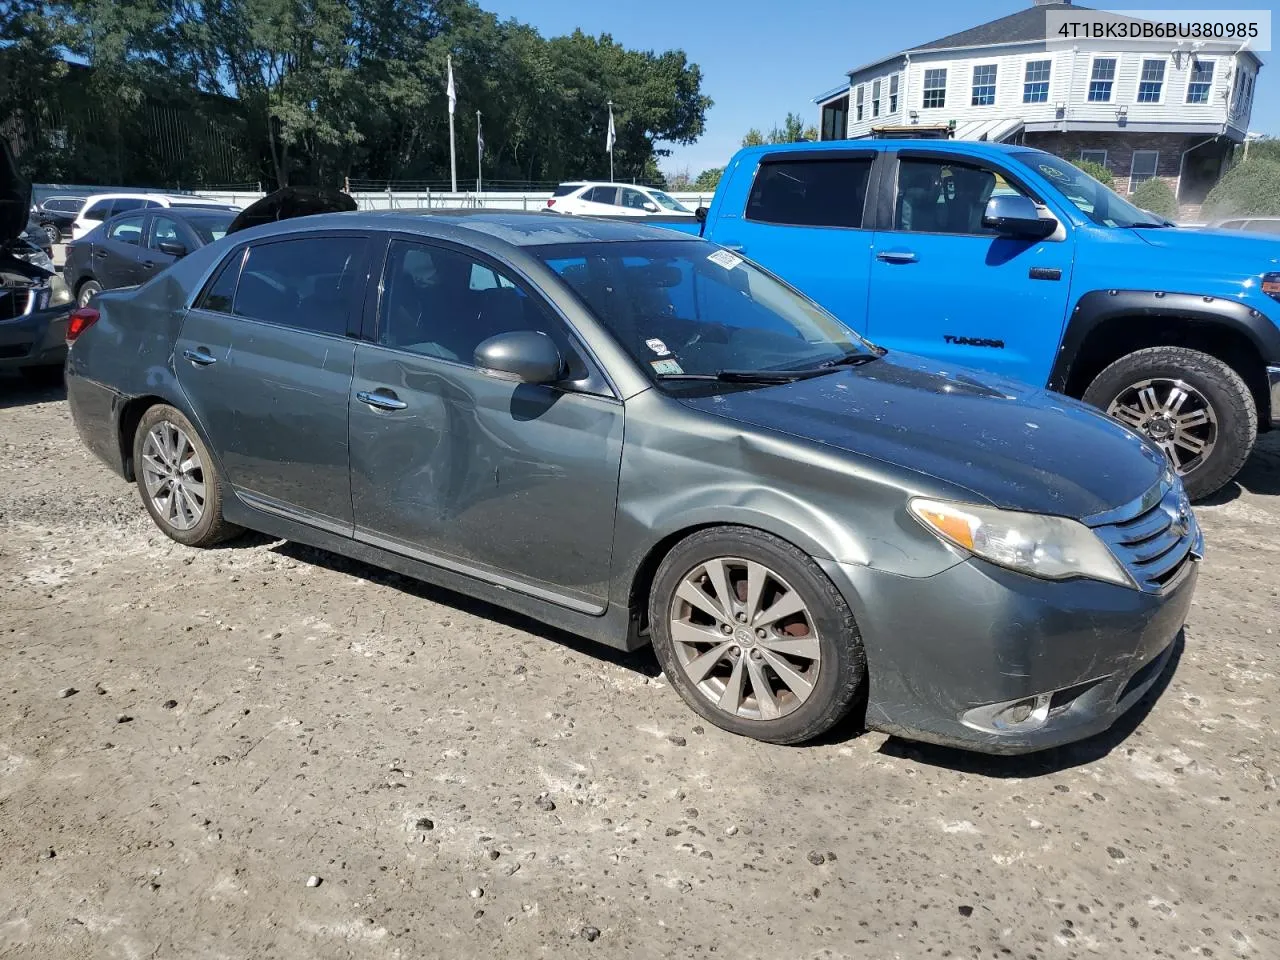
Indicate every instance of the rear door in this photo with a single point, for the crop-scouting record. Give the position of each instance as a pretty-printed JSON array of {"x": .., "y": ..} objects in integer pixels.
[
  {"x": 601, "y": 202},
  {"x": 944, "y": 286},
  {"x": 265, "y": 358},
  {"x": 510, "y": 482},
  {"x": 117, "y": 252},
  {"x": 805, "y": 220}
]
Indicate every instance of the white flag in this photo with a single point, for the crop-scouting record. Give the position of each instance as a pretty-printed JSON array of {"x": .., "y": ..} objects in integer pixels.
[
  {"x": 611, "y": 138},
  {"x": 453, "y": 94}
]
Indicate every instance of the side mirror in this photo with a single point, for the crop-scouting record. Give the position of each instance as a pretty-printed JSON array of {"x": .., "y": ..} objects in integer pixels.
[
  {"x": 651, "y": 206},
  {"x": 172, "y": 248},
  {"x": 525, "y": 355},
  {"x": 1016, "y": 218},
  {"x": 701, "y": 214}
]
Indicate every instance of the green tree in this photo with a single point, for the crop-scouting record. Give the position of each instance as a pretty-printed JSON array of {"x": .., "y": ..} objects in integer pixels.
[
  {"x": 753, "y": 138},
  {"x": 1097, "y": 171},
  {"x": 709, "y": 179},
  {"x": 1157, "y": 196},
  {"x": 1249, "y": 189}
]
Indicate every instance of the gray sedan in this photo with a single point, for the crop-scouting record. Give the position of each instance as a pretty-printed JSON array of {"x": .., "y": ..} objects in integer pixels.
[{"x": 641, "y": 437}]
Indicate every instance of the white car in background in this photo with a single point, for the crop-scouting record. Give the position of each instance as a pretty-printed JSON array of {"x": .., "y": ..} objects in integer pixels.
[
  {"x": 614, "y": 200},
  {"x": 103, "y": 206}
]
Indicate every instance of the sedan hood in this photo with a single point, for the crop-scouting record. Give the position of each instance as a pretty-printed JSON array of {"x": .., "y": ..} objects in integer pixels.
[
  {"x": 15, "y": 197},
  {"x": 1012, "y": 445},
  {"x": 289, "y": 202}
]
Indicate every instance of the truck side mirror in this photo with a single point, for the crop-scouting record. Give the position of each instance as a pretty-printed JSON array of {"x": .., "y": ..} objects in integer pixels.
[
  {"x": 1017, "y": 218},
  {"x": 701, "y": 214}
]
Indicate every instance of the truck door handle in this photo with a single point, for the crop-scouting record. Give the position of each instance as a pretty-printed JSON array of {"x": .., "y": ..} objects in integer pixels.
[
  {"x": 148, "y": 264},
  {"x": 99, "y": 253},
  {"x": 200, "y": 357},
  {"x": 896, "y": 256},
  {"x": 381, "y": 400}
]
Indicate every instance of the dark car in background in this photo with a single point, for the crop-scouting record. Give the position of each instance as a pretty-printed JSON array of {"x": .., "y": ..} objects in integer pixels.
[
  {"x": 640, "y": 436},
  {"x": 132, "y": 247},
  {"x": 56, "y": 215}
]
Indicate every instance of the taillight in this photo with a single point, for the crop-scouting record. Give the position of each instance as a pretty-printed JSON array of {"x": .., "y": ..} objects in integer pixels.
[
  {"x": 81, "y": 320},
  {"x": 551, "y": 202},
  {"x": 1271, "y": 285}
]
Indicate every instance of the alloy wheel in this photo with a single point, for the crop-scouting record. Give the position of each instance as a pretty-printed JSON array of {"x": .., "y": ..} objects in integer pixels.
[
  {"x": 1172, "y": 413},
  {"x": 174, "y": 476},
  {"x": 745, "y": 638}
]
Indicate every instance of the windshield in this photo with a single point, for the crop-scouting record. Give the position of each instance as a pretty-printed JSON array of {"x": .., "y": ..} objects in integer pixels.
[
  {"x": 210, "y": 226},
  {"x": 692, "y": 308},
  {"x": 1100, "y": 204},
  {"x": 668, "y": 201}
]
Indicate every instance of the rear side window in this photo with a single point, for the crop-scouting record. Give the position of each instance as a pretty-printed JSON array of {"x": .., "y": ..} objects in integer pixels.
[
  {"x": 565, "y": 189},
  {"x": 602, "y": 195},
  {"x": 97, "y": 210},
  {"x": 811, "y": 193},
  {"x": 121, "y": 204},
  {"x": 219, "y": 295},
  {"x": 309, "y": 283}
]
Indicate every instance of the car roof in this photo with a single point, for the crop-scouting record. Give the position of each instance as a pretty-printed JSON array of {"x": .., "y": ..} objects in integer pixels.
[
  {"x": 514, "y": 228},
  {"x": 902, "y": 143},
  {"x": 610, "y": 183},
  {"x": 171, "y": 197}
]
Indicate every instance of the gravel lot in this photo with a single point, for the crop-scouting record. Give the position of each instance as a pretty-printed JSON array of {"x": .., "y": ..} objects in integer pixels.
[{"x": 187, "y": 737}]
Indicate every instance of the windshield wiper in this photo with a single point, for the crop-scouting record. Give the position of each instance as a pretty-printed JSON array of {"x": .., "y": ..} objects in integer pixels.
[
  {"x": 1147, "y": 225},
  {"x": 851, "y": 360},
  {"x": 749, "y": 376}
]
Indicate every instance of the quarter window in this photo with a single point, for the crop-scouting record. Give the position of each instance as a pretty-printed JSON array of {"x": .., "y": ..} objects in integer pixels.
[
  {"x": 811, "y": 193},
  {"x": 1035, "y": 84},
  {"x": 1144, "y": 167},
  {"x": 936, "y": 197},
  {"x": 935, "y": 89},
  {"x": 984, "y": 85},
  {"x": 1102, "y": 79},
  {"x": 1151, "y": 86},
  {"x": 309, "y": 283},
  {"x": 220, "y": 295},
  {"x": 127, "y": 230}
]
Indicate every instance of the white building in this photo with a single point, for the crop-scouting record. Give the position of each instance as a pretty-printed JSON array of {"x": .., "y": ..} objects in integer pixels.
[{"x": 1171, "y": 110}]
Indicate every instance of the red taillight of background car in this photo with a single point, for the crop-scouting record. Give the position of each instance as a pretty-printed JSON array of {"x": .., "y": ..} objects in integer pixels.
[
  {"x": 81, "y": 320},
  {"x": 551, "y": 202}
]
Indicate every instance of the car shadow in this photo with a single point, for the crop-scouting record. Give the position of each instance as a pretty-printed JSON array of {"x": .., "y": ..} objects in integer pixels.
[
  {"x": 18, "y": 391},
  {"x": 639, "y": 661},
  {"x": 1044, "y": 762},
  {"x": 1260, "y": 474}
]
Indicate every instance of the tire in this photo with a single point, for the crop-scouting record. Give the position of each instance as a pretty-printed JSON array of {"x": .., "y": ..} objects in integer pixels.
[
  {"x": 833, "y": 665},
  {"x": 1215, "y": 394},
  {"x": 200, "y": 486},
  {"x": 88, "y": 290},
  {"x": 51, "y": 232}
]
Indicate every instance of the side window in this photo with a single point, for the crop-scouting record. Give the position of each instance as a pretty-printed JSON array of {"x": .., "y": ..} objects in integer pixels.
[
  {"x": 309, "y": 283},
  {"x": 121, "y": 204},
  {"x": 126, "y": 230},
  {"x": 633, "y": 199},
  {"x": 938, "y": 197},
  {"x": 219, "y": 295},
  {"x": 607, "y": 195},
  {"x": 811, "y": 193},
  {"x": 97, "y": 211},
  {"x": 441, "y": 303},
  {"x": 163, "y": 229}
]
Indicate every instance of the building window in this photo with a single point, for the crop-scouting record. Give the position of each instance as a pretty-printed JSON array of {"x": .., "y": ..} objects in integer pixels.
[
  {"x": 1201, "y": 82},
  {"x": 984, "y": 85},
  {"x": 1094, "y": 156},
  {"x": 875, "y": 98},
  {"x": 835, "y": 119},
  {"x": 1151, "y": 86},
  {"x": 1035, "y": 85},
  {"x": 893, "y": 94},
  {"x": 857, "y": 108},
  {"x": 935, "y": 89},
  {"x": 1101, "y": 80},
  {"x": 1144, "y": 167}
]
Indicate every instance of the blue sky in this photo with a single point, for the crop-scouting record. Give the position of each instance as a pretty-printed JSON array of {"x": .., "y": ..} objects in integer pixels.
[{"x": 761, "y": 58}]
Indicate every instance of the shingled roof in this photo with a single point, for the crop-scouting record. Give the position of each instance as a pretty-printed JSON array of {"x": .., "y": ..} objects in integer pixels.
[{"x": 1021, "y": 27}]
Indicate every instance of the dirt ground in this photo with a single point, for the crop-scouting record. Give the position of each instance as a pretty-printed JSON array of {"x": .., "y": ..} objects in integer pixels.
[{"x": 467, "y": 784}]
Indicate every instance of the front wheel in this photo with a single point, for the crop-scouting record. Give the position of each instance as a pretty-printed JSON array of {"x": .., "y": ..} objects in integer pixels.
[
  {"x": 1196, "y": 408},
  {"x": 754, "y": 637}
]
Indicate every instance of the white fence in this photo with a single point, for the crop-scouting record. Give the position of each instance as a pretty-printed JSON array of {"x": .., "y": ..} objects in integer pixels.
[{"x": 431, "y": 200}]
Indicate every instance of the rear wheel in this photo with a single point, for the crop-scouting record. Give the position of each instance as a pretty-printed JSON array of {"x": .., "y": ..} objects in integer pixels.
[
  {"x": 1196, "y": 408},
  {"x": 88, "y": 290},
  {"x": 754, "y": 637},
  {"x": 178, "y": 481}
]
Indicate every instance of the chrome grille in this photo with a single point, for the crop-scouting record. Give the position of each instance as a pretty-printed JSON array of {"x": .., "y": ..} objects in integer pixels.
[{"x": 1155, "y": 538}]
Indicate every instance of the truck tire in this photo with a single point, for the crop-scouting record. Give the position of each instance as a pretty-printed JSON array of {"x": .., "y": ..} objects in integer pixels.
[{"x": 1195, "y": 407}]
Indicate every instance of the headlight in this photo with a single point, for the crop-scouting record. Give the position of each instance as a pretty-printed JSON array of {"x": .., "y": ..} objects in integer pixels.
[
  {"x": 59, "y": 292},
  {"x": 1053, "y": 548}
]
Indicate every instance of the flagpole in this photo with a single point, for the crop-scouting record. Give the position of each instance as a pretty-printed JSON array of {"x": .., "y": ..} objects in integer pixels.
[
  {"x": 479, "y": 152},
  {"x": 611, "y": 135},
  {"x": 453, "y": 156}
]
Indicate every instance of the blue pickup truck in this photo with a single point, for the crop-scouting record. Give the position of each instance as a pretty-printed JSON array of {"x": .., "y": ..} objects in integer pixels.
[{"x": 1012, "y": 260}]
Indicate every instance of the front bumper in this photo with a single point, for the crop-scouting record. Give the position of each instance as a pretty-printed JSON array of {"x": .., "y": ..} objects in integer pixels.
[
  {"x": 38, "y": 339},
  {"x": 948, "y": 654},
  {"x": 1273, "y": 385}
]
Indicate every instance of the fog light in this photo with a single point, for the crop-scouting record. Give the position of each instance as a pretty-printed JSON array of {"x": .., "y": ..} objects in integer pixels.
[{"x": 1016, "y": 716}]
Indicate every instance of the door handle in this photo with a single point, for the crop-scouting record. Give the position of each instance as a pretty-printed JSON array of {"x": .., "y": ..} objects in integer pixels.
[
  {"x": 148, "y": 264},
  {"x": 99, "y": 253},
  {"x": 381, "y": 400},
  {"x": 896, "y": 256},
  {"x": 200, "y": 357}
]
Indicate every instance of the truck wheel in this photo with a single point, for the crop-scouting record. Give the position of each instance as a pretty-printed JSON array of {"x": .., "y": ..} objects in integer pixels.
[
  {"x": 754, "y": 637},
  {"x": 1196, "y": 408}
]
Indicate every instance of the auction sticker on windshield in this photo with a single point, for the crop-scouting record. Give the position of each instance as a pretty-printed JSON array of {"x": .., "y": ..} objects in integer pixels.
[
  {"x": 724, "y": 258},
  {"x": 666, "y": 366},
  {"x": 658, "y": 347}
]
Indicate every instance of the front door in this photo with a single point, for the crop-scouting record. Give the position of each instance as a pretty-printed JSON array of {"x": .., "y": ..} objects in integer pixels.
[
  {"x": 513, "y": 483},
  {"x": 117, "y": 254},
  {"x": 804, "y": 222},
  {"x": 266, "y": 359},
  {"x": 944, "y": 286}
]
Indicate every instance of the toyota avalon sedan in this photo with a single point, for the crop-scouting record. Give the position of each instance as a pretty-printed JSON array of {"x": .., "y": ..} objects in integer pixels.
[{"x": 641, "y": 437}]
